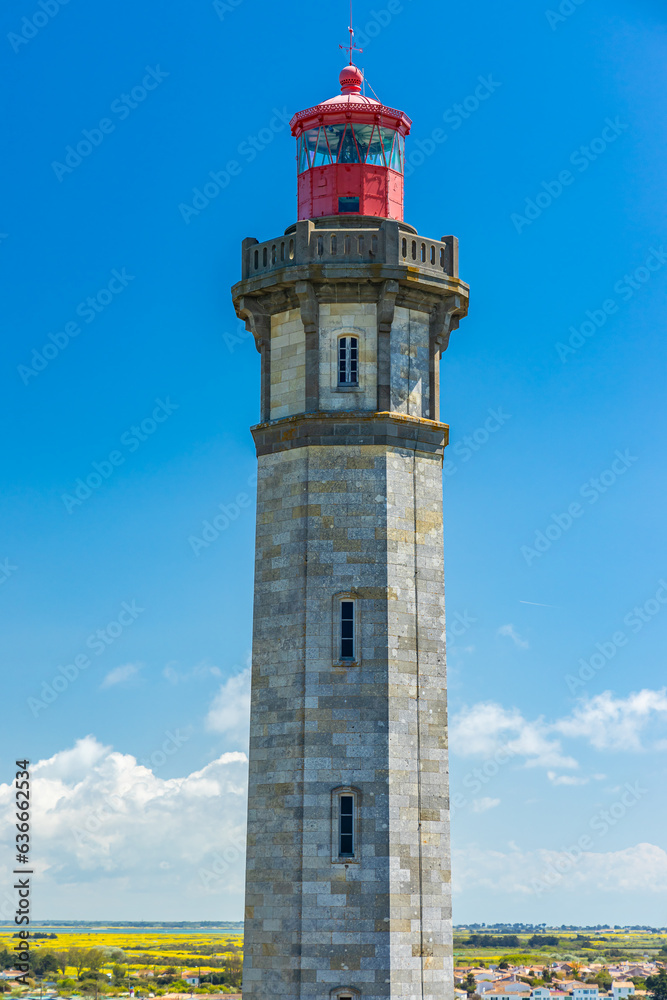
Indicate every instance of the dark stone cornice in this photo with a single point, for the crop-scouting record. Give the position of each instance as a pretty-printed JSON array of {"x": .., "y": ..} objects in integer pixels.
[{"x": 358, "y": 428}]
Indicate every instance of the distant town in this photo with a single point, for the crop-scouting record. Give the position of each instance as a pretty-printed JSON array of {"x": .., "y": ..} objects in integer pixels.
[
  {"x": 179, "y": 960},
  {"x": 508, "y": 962}
]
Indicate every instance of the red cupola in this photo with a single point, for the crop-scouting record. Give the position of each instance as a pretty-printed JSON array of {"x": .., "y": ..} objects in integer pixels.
[{"x": 350, "y": 154}]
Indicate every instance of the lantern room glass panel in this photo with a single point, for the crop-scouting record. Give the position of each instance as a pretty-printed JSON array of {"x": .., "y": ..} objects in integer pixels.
[
  {"x": 302, "y": 154},
  {"x": 363, "y": 133},
  {"x": 321, "y": 154},
  {"x": 348, "y": 151},
  {"x": 375, "y": 153}
]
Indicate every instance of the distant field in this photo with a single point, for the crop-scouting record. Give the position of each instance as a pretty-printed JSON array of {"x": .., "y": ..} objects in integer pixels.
[
  {"x": 141, "y": 948},
  {"x": 594, "y": 946}
]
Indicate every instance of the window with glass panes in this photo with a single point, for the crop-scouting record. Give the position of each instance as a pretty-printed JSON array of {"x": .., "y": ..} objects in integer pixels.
[
  {"x": 348, "y": 143},
  {"x": 346, "y": 817},
  {"x": 347, "y": 636},
  {"x": 348, "y": 361}
]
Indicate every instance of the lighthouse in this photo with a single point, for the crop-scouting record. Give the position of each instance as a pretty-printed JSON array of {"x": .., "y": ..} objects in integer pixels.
[{"x": 348, "y": 891}]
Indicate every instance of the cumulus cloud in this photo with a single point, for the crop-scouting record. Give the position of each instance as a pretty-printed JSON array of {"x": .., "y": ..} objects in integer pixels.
[
  {"x": 484, "y": 804},
  {"x": 120, "y": 674},
  {"x": 511, "y": 633},
  {"x": 604, "y": 722},
  {"x": 485, "y": 728},
  {"x": 106, "y": 827},
  {"x": 567, "y": 779},
  {"x": 610, "y": 723},
  {"x": 172, "y": 673},
  {"x": 230, "y": 709}
]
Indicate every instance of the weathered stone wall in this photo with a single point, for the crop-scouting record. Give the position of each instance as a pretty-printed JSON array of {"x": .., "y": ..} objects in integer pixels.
[
  {"x": 288, "y": 364},
  {"x": 361, "y": 519},
  {"x": 354, "y": 319},
  {"x": 410, "y": 355}
]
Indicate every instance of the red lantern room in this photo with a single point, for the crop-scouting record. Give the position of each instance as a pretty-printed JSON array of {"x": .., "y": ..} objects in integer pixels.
[{"x": 350, "y": 154}]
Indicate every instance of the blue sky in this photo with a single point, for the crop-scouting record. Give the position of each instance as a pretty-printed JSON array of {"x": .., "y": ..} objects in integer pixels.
[{"x": 581, "y": 423}]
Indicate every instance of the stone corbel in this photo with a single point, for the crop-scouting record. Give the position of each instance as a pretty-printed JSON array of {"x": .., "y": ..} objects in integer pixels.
[
  {"x": 257, "y": 322},
  {"x": 385, "y": 317},
  {"x": 309, "y": 306},
  {"x": 310, "y": 317},
  {"x": 444, "y": 319}
]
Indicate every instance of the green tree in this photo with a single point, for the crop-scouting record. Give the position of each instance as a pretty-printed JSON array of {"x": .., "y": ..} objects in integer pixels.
[
  {"x": 657, "y": 985},
  {"x": 61, "y": 958},
  {"x": 95, "y": 959},
  {"x": 469, "y": 985},
  {"x": 119, "y": 973},
  {"x": 77, "y": 958},
  {"x": 603, "y": 979},
  {"x": 42, "y": 962}
]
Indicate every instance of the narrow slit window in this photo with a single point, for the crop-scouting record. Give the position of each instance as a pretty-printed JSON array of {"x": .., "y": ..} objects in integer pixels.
[
  {"x": 348, "y": 362},
  {"x": 346, "y": 819},
  {"x": 347, "y": 635}
]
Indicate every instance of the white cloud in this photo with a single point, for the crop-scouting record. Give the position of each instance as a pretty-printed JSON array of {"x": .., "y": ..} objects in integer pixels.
[
  {"x": 638, "y": 869},
  {"x": 610, "y": 723},
  {"x": 176, "y": 676},
  {"x": 485, "y": 728},
  {"x": 230, "y": 709},
  {"x": 511, "y": 633},
  {"x": 107, "y": 828},
  {"x": 120, "y": 674},
  {"x": 566, "y": 779},
  {"x": 484, "y": 804},
  {"x": 604, "y": 722}
]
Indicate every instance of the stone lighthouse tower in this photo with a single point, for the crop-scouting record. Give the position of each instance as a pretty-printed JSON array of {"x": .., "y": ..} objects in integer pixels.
[{"x": 348, "y": 870}]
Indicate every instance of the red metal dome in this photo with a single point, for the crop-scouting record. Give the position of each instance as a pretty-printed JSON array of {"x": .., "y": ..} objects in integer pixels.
[
  {"x": 350, "y": 154},
  {"x": 351, "y": 79}
]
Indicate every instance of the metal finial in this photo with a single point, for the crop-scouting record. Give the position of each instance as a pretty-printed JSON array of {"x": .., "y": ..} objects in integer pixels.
[{"x": 351, "y": 47}]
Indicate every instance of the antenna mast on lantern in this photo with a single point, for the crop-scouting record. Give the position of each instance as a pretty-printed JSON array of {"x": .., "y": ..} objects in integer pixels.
[{"x": 351, "y": 47}]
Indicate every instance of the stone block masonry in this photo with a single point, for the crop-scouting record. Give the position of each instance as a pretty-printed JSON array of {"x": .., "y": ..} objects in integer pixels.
[
  {"x": 349, "y": 515},
  {"x": 364, "y": 520}
]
